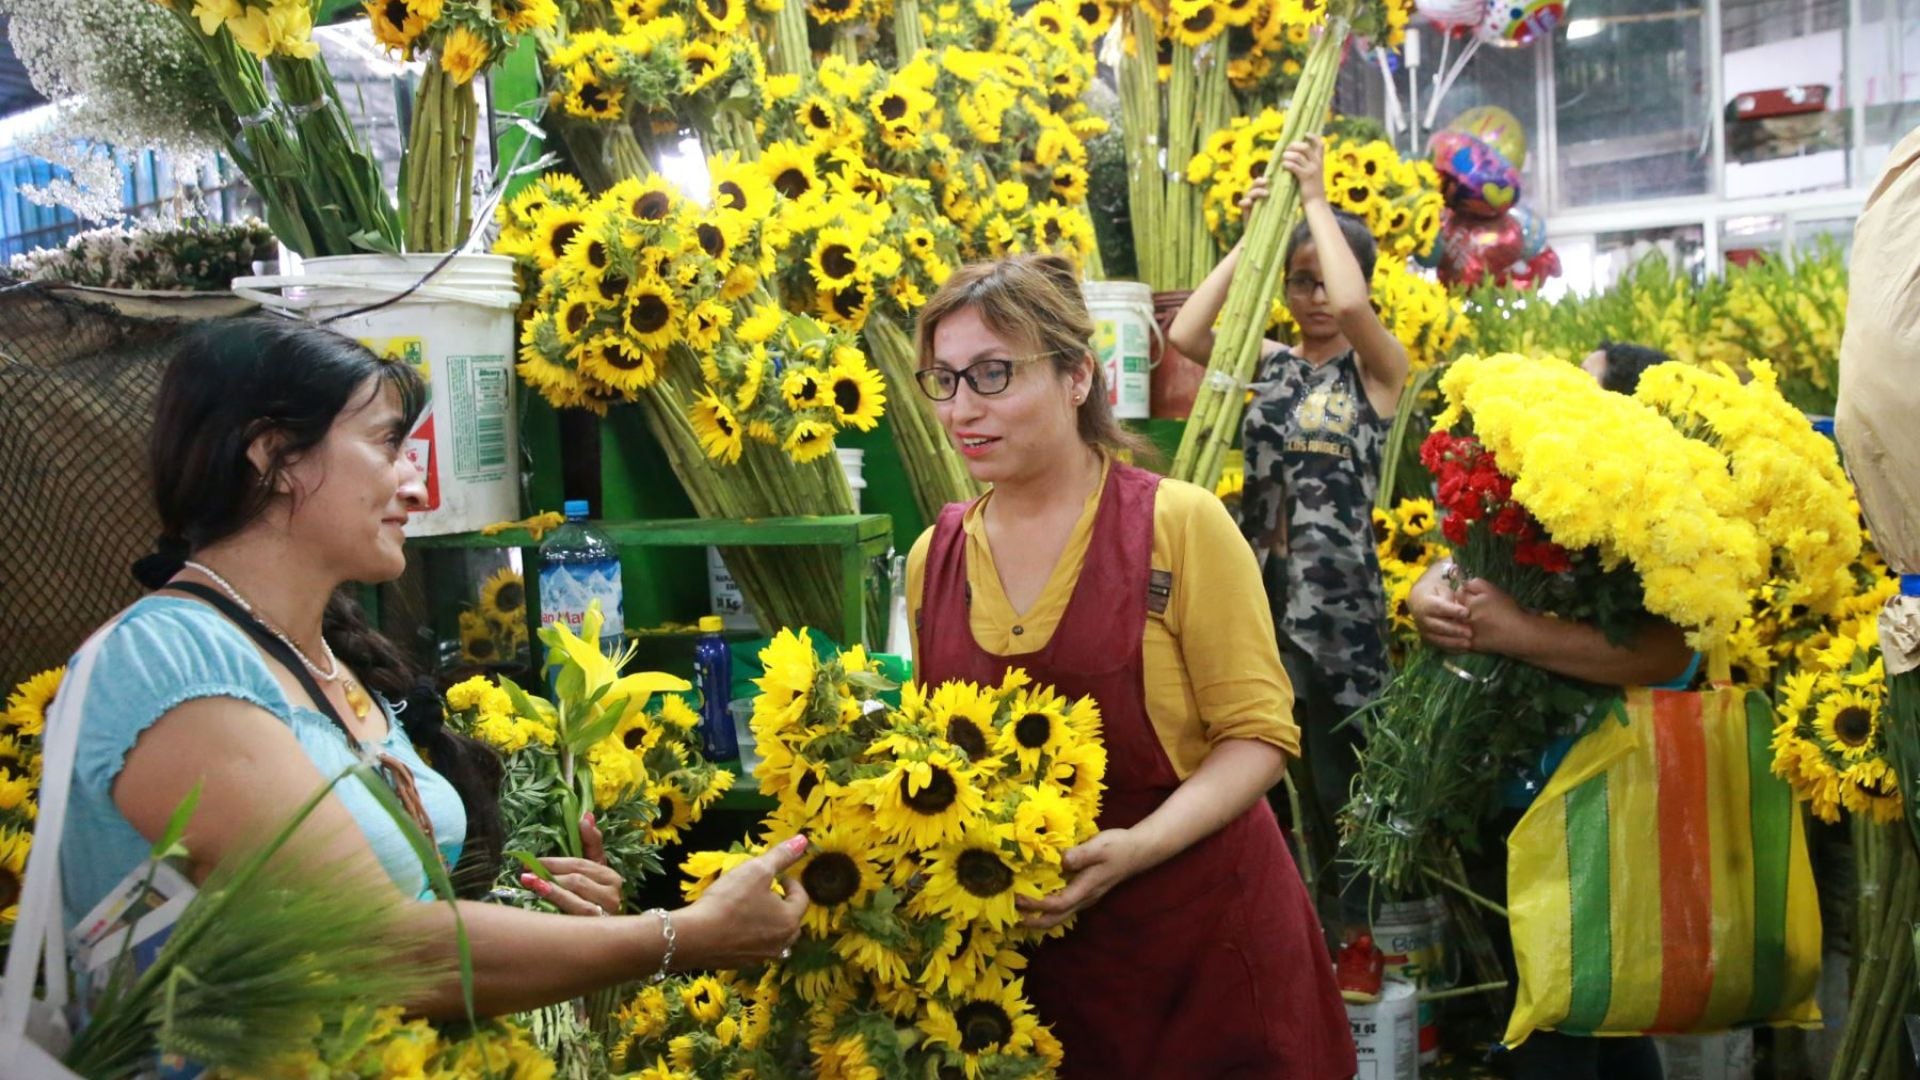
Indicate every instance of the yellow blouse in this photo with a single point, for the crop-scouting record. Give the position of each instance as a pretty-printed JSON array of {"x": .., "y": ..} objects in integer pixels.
[{"x": 1212, "y": 669}]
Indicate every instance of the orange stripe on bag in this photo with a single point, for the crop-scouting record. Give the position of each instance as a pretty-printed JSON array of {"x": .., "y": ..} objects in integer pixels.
[{"x": 1686, "y": 880}]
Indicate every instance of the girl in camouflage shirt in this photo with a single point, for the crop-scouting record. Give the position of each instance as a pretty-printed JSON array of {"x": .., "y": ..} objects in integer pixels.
[{"x": 1314, "y": 435}]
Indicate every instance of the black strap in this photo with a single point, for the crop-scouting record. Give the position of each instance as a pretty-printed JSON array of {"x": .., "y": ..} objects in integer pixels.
[{"x": 275, "y": 648}]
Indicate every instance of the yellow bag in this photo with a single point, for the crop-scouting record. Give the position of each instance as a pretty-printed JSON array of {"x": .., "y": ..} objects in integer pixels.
[{"x": 1660, "y": 883}]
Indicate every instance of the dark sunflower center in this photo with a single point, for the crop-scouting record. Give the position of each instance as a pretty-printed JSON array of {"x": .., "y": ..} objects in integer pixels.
[
  {"x": 563, "y": 236},
  {"x": 396, "y": 11},
  {"x": 847, "y": 302},
  {"x": 966, "y": 735},
  {"x": 1853, "y": 725},
  {"x": 893, "y": 107},
  {"x": 819, "y": 117},
  {"x": 665, "y": 814},
  {"x": 1739, "y": 673},
  {"x": 792, "y": 183},
  {"x": 698, "y": 65},
  {"x": 597, "y": 256},
  {"x": 1198, "y": 22},
  {"x": 1049, "y": 24},
  {"x": 983, "y": 873},
  {"x": 712, "y": 240},
  {"x": 837, "y": 259},
  {"x": 652, "y": 206},
  {"x": 807, "y": 784},
  {"x": 594, "y": 97},
  {"x": 1051, "y": 232},
  {"x": 612, "y": 286},
  {"x": 831, "y": 878},
  {"x": 1033, "y": 730},
  {"x": 480, "y": 648},
  {"x": 732, "y": 195},
  {"x": 510, "y": 596},
  {"x": 1090, "y": 14},
  {"x": 624, "y": 359},
  {"x": 935, "y": 798},
  {"x": 725, "y": 425},
  {"x": 1071, "y": 776},
  {"x": 1359, "y": 193},
  {"x": 983, "y": 1026},
  {"x": 835, "y": 7},
  {"x": 577, "y": 318},
  {"x": 647, "y": 314},
  {"x": 846, "y": 395},
  {"x": 1408, "y": 549},
  {"x": 1257, "y": 170},
  {"x": 720, "y": 9},
  {"x": 634, "y": 739},
  {"x": 807, "y": 391}
]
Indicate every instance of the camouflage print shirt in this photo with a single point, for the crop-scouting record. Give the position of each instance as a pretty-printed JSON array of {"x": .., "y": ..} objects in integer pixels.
[{"x": 1313, "y": 446}]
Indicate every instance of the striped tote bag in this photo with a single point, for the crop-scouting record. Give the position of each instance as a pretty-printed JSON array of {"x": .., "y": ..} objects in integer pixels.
[{"x": 1660, "y": 884}]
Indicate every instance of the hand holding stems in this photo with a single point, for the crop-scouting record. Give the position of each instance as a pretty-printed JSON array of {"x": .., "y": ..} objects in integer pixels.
[
  {"x": 584, "y": 886},
  {"x": 1473, "y": 615},
  {"x": 1306, "y": 160},
  {"x": 1093, "y": 869}
]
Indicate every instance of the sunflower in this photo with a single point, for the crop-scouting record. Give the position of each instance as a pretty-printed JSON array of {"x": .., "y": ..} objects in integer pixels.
[
  {"x": 1080, "y": 772},
  {"x": 1194, "y": 22},
  {"x": 884, "y": 962},
  {"x": 1036, "y": 727},
  {"x": 618, "y": 363},
  {"x": 553, "y": 232},
  {"x": 673, "y": 811},
  {"x": 848, "y": 308},
  {"x": 857, "y": 392},
  {"x": 820, "y": 119},
  {"x": 741, "y": 280},
  {"x": 652, "y": 314},
  {"x": 927, "y": 801},
  {"x": 993, "y": 1019},
  {"x": 651, "y": 199},
  {"x": 790, "y": 669},
  {"x": 705, "y": 63},
  {"x": 722, "y": 16},
  {"x": 760, "y": 326},
  {"x": 27, "y": 704},
  {"x": 716, "y": 233},
  {"x": 791, "y": 169},
  {"x": 590, "y": 97},
  {"x": 804, "y": 387},
  {"x": 504, "y": 596},
  {"x": 1069, "y": 182},
  {"x": 829, "y": 12},
  {"x": 16, "y": 794},
  {"x": 476, "y": 640},
  {"x": 716, "y": 427},
  {"x": 1847, "y": 722},
  {"x": 573, "y": 321},
  {"x": 753, "y": 378},
  {"x": 398, "y": 24},
  {"x": 463, "y": 54},
  {"x": 739, "y": 187},
  {"x": 833, "y": 260},
  {"x": 705, "y": 323},
  {"x": 839, "y": 874},
  {"x": 14, "y": 845},
  {"x": 520, "y": 16},
  {"x": 809, "y": 440},
  {"x": 963, "y": 715}
]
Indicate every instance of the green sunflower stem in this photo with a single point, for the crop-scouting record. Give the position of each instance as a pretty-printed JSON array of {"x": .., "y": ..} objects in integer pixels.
[
  {"x": 1140, "y": 129},
  {"x": 1884, "y": 965},
  {"x": 604, "y": 154},
  {"x": 1217, "y": 406},
  {"x": 790, "y": 54},
  {"x": 907, "y": 38},
  {"x": 938, "y": 474}
]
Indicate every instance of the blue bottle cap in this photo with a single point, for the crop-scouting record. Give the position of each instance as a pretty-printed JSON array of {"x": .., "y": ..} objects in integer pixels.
[{"x": 575, "y": 509}]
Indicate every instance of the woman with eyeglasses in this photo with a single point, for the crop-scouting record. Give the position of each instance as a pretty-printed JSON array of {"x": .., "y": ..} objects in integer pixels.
[
  {"x": 1314, "y": 435},
  {"x": 1195, "y": 950}
]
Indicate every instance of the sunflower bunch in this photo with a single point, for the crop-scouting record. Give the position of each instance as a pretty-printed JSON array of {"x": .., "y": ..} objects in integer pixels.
[
  {"x": 1788, "y": 475},
  {"x": 1407, "y": 543},
  {"x": 21, "y": 727},
  {"x": 666, "y": 71},
  {"x": 464, "y": 37},
  {"x": 928, "y": 822},
  {"x": 707, "y": 1025},
  {"x": 1415, "y": 308},
  {"x": 494, "y": 629},
  {"x": 1792, "y": 315},
  {"x": 966, "y": 24},
  {"x": 1266, "y": 57},
  {"x": 368, "y": 1043},
  {"x": 1829, "y": 742},
  {"x": 794, "y": 390},
  {"x": 625, "y": 747}
]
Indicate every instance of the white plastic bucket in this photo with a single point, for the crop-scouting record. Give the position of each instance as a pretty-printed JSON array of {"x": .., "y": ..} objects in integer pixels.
[
  {"x": 1411, "y": 937},
  {"x": 1384, "y": 1034},
  {"x": 853, "y": 463},
  {"x": 456, "y": 329},
  {"x": 1123, "y": 333}
]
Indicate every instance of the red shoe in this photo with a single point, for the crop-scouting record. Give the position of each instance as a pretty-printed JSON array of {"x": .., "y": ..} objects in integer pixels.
[{"x": 1360, "y": 969}]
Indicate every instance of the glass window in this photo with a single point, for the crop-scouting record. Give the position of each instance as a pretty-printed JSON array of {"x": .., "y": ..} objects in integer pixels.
[
  {"x": 1747, "y": 240},
  {"x": 1783, "y": 66},
  {"x": 1508, "y": 78},
  {"x": 1886, "y": 48},
  {"x": 1630, "y": 107}
]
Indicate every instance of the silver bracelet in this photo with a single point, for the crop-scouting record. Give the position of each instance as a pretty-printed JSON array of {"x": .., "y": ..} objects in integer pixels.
[{"x": 666, "y": 931}]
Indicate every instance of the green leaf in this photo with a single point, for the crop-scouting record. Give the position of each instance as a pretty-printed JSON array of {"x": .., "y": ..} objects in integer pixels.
[
  {"x": 533, "y": 866},
  {"x": 871, "y": 681},
  {"x": 169, "y": 845}
]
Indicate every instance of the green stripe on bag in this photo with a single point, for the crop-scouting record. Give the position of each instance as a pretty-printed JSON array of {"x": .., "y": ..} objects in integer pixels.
[
  {"x": 1772, "y": 815},
  {"x": 1589, "y": 883}
]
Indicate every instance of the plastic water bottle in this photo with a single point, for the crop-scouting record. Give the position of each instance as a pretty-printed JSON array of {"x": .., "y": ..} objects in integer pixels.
[
  {"x": 713, "y": 671},
  {"x": 579, "y": 565}
]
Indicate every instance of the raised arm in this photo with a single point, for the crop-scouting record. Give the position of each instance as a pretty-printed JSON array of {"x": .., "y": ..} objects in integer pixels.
[{"x": 1192, "y": 329}]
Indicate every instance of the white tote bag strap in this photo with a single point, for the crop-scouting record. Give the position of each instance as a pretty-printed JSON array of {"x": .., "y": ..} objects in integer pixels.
[{"x": 40, "y": 933}]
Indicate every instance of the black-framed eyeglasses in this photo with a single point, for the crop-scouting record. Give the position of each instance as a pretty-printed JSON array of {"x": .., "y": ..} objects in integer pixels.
[
  {"x": 1304, "y": 284},
  {"x": 987, "y": 377}
]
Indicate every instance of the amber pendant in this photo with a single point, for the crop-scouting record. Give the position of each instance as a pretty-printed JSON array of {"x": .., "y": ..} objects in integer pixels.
[{"x": 358, "y": 700}]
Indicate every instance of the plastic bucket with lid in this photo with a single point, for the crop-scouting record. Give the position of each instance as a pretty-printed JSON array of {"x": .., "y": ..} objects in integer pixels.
[
  {"x": 1384, "y": 1033},
  {"x": 1123, "y": 337},
  {"x": 1412, "y": 940},
  {"x": 853, "y": 463},
  {"x": 456, "y": 329}
]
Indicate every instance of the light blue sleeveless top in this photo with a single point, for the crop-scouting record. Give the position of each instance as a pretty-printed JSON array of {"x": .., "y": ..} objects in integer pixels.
[{"x": 169, "y": 650}]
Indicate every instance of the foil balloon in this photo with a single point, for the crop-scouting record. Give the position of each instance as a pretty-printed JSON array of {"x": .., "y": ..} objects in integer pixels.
[
  {"x": 1496, "y": 127},
  {"x": 1452, "y": 15},
  {"x": 1475, "y": 179},
  {"x": 1529, "y": 273},
  {"x": 1533, "y": 231},
  {"x": 1477, "y": 248},
  {"x": 1511, "y": 24}
]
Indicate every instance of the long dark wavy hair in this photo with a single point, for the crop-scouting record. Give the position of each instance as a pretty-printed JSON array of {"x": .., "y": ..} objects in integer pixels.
[{"x": 232, "y": 381}]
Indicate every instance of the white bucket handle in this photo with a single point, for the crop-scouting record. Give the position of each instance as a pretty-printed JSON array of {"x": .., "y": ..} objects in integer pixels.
[
  {"x": 254, "y": 288},
  {"x": 1154, "y": 356}
]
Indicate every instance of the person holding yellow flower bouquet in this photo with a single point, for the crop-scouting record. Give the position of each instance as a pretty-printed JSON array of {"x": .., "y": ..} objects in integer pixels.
[
  {"x": 1195, "y": 950},
  {"x": 1315, "y": 437},
  {"x": 279, "y": 475}
]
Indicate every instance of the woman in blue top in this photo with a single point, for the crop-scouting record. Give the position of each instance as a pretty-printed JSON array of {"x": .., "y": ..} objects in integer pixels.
[{"x": 279, "y": 478}]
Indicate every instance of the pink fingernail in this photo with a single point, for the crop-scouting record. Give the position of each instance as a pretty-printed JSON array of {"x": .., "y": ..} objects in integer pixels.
[
  {"x": 589, "y": 817},
  {"x": 534, "y": 882}
]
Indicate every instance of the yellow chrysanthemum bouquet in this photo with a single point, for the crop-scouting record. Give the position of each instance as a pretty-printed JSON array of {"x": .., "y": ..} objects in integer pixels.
[
  {"x": 929, "y": 821},
  {"x": 1581, "y": 504},
  {"x": 21, "y": 727},
  {"x": 625, "y": 748}
]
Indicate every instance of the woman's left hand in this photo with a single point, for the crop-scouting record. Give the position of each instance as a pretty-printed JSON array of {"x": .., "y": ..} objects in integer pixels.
[
  {"x": 586, "y": 886},
  {"x": 1307, "y": 162},
  {"x": 1499, "y": 625},
  {"x": 1093, "y": 869}
]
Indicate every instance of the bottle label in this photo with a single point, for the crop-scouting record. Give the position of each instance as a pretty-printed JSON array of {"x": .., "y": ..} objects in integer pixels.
[{"x": 566, "y": 589}]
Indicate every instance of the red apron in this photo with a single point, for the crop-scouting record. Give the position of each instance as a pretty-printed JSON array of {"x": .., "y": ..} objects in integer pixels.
[{"x": 1211, "y": 964}]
